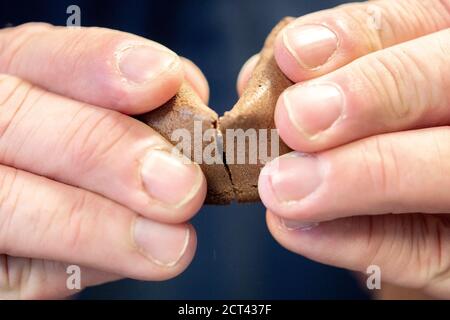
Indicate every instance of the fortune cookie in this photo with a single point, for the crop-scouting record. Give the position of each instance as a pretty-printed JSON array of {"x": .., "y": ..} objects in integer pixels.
[{"x": 231, "y": 172}]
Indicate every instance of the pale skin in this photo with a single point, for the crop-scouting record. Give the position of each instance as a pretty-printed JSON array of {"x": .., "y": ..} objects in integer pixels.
[
  {"x": 80, "y": 182},
  {"x": 80, "y": 179},
  {"x": 370, "y": 115}
]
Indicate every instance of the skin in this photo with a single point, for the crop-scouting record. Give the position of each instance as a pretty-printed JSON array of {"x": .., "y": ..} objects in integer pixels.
[
  {"x": 371, "y": 188},
  {"x": 79, "y": 177},
  {"x": 68, "y": 152}
]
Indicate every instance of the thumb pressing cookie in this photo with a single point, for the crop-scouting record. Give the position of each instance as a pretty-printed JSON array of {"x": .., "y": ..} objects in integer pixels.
[{"x": 231, "y": 150}]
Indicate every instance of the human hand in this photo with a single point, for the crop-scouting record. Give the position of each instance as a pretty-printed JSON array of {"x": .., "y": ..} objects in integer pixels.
[
  {"x": 368, "y": 117},
  {"x": 81, "y": 182}
]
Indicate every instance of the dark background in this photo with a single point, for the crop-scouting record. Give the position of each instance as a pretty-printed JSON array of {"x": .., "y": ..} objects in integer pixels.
[{"x": 236, "y": 257}]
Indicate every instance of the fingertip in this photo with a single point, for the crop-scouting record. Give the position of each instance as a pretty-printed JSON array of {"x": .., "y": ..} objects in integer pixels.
[
  {"x": 265, "y": 191},
  {"x": 188, "y": 210},
  {"x": 268, "y": 194},
  {"x": 300, "y": 239},
  {"x": 302, "y": 49},
  {"x": 159, "y": 270},
  {"x": 246, "y": 73},
  {"x": 291, "y": 185},
  {"x": 286, "y": 62},
  {"x": 273, "y": 224},
  {"x": 183, "y": 263},
  {"x": 188, "y": 256},
  {"x": 288, "y": 132},
  {"x": 284, "y": 125},
  {"x": 130, "y": 97},
  {"x": 175, "y": 187}
]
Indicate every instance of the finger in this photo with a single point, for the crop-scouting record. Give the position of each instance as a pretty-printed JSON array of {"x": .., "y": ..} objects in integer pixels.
[
  {"x": 31, "y": 279},
  {"x": 196, "y": 79},
  {"x": 410, "y": 250},
  {"x": 321, "y": 42},
  {"x": 391, "y": 90},
  {"x": 97, "y": 149},
  {"x": 246, "y": 72},
  {"x": 44, "y": 219},
  {"x": 107, "y": 68},
  {"x": 394, "y": 173}
]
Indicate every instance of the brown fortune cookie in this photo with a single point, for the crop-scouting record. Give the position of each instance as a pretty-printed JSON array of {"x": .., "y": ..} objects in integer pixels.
[{"x": 226, "y": 179}]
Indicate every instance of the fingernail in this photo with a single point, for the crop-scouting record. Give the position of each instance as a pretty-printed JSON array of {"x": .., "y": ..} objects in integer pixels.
[
  {"x": 163, "y": 244},
  {"x": 292, "y": 225},
  {"x": 311, "y": 45},
  {"x": 169, "y": 178},
  {"x": 313, "y": 109},
  {"x": 142, "y": 63},
  {"x": 294, "y": 177}
]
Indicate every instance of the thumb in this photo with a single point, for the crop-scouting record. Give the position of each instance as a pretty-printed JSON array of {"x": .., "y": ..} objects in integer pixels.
[{"x": 103, "y": 67}]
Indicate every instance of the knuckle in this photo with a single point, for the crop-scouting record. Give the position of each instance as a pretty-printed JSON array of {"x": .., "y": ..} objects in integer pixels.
[
  {"x": 382, "y": 165},
  {"x": 92, "y": 44},
  {"x": 79, "y": 227},
  {"x": 393, "y": 87},
  {"x": 440, "y": 247},
  {"x": 440, "y": 151},
  {"x": 392, "y": 71},
  {"x": 360, "y": 25},
  {"x": 14, "y": 96},
  {"x": 401, "y": 247},
  {"x": 37, "y": 219},
  {"x": 14, "y": 273},
  {"x": 98, "y": 47},
  {"x": 93, "y": 136},
  {"x": 428, "y": 241},
  {"x": 10, "y": 192},
  {"x": 410, "y": 236},
  {"x": 414, "y": 234},
  {"x": 13, "y": 40},
  {"x": 8, "y": 86},
  {"x": 375, "y": 244},
  {"x": 378, "y": 25}
]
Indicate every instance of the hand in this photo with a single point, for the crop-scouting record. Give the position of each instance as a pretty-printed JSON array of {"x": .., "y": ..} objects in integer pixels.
[
  {"x": 82, "y": 183},
  {"x": 368, "y": 117}
]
